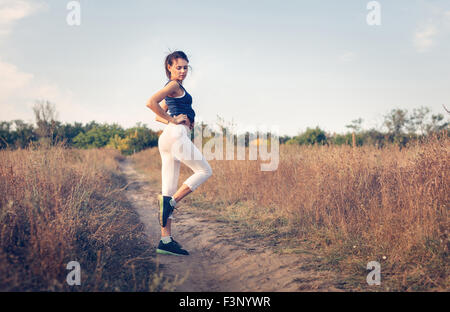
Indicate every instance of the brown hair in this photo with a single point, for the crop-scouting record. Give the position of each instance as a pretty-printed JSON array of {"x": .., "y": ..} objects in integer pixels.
[{"x": 173, "y": 56}]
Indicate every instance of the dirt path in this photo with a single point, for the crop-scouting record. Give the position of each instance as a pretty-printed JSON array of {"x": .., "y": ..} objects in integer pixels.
[{"x": 218, "y": 261}]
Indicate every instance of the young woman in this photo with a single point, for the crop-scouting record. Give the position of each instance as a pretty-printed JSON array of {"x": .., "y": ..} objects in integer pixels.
[{"x": 173, "y": 143}]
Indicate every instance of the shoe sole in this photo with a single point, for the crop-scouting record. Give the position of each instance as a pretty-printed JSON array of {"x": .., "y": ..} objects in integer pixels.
[{"x": 165, "y": 252}]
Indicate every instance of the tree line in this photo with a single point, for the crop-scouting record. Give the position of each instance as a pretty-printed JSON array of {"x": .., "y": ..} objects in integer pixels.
[
  {"x": 400, "y": 127},
  {"x": 49, "y": 131}
]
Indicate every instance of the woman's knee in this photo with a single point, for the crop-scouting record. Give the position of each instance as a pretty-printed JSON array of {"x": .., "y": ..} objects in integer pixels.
[{"x": 205, "y": 172}]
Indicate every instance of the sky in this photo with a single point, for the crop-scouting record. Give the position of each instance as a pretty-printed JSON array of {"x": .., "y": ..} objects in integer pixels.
[{"x": 288, "y": 64}]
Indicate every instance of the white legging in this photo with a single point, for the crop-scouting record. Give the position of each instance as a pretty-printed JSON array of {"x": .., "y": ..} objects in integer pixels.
[{"x": 175, "y": 146}]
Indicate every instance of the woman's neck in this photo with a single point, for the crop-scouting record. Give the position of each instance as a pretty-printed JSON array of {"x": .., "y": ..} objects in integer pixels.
[{"x": 180, "y": 82}]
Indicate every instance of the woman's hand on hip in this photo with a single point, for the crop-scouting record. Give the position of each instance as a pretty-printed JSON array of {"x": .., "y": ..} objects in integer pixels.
[{"x": 180, "y": 119}]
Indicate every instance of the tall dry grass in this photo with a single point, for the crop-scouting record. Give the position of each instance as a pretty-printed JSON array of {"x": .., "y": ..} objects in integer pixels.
[
  {"x": 354, "y": 205},
  {"x": 58, "y": 205}
]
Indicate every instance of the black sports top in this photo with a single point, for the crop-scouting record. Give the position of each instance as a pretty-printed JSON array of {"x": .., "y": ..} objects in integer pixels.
[{"x": 180, "y": 105}]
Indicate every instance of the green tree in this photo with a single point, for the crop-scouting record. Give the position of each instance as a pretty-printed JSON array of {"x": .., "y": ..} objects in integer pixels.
[
  {"x": 355, "y": 125},
  {"x": 141, "y": 138},
  {"x": 6, "y": 139},
  {"x": 312, "y": 137},
  {"x": 98, "y": 136},
  {"x": 285, "y": 139},
  {"x": 45, "y": 114},
  {"x": 417, "y": 120},
  {"x": 396, "y": 121},
  {"x": 373, "y": 137},
  {"x": 23, "y": 134},
  {"x": 68, "y": 132},
  {"x": 437, "y": 124}
]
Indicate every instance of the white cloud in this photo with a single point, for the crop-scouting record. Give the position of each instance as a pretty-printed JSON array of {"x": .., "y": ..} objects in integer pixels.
[
  {"x": 429, "y": 34},
  {"x": 11, "y": 80},
  {"x": 14, "y": 10},
  {"x": 424, "y": 37},
  {"x": 347, "y": 56},
  {"x": 20, "y": 90},
  {"x": 446, "y": 20}
]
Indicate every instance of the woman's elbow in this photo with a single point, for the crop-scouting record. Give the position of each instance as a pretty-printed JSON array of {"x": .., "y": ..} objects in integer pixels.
[{"x": 151, "y": 104}]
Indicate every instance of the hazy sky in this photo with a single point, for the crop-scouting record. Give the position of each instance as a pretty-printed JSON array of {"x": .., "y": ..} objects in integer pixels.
[{"x": 294, "y": 64}]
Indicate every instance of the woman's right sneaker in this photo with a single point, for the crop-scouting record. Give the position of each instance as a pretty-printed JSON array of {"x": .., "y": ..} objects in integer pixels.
[
  {"x": 170, "y": 248},
  {"x": 177, "y": 243}
]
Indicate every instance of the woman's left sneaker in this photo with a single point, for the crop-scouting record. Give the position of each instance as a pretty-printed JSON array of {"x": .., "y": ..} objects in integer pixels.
[{"x": 171, "y": 248}]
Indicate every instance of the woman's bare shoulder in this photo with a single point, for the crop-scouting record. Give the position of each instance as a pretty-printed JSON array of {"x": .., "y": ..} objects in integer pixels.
[{"x": 174, "y": 87}]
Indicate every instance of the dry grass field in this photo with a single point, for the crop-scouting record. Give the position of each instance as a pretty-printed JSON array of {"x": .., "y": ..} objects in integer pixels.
[
  {"x": 59, "y": 205},
  {"x": 350, "y": 205}
]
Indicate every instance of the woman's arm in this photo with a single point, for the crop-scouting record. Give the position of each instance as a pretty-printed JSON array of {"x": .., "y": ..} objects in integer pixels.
[
  {"x": 153, "y": 102},
  {"x": 165, "y": 108}
]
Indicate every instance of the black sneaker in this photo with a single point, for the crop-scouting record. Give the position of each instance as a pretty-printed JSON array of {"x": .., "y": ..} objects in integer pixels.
[
  {"x": 170, "y": 249},
  {"x": 165, "y": 209},
  {"x": 176, "y": 243}
]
